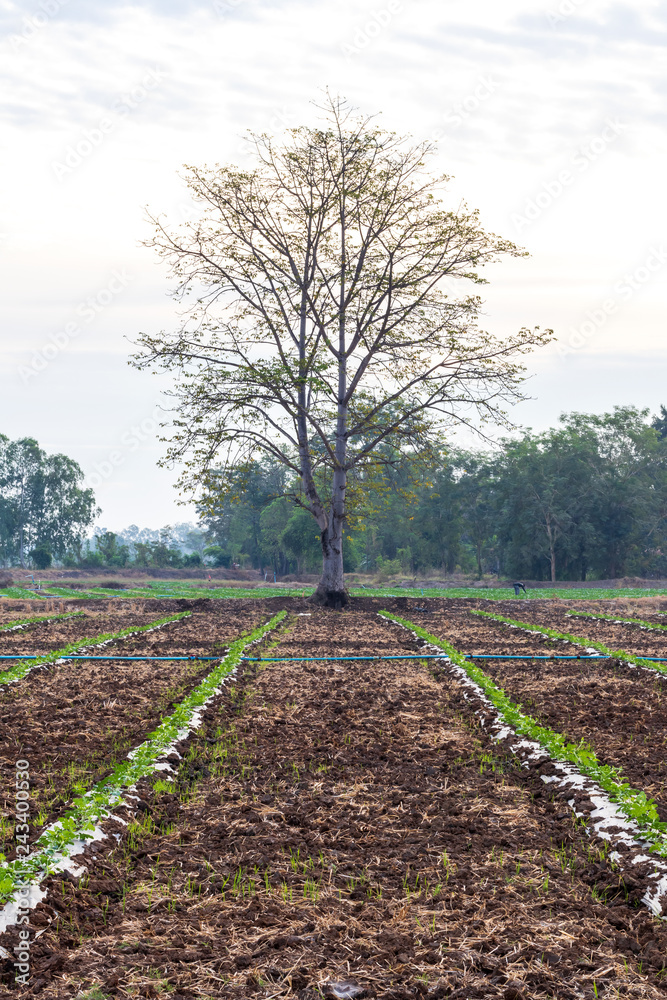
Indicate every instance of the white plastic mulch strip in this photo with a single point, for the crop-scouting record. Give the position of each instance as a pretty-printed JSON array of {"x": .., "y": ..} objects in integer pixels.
[
  {"x": 24, "y": 667},
  {"x": 20, "y": 880},
  {"x": 632, "y": 850}
]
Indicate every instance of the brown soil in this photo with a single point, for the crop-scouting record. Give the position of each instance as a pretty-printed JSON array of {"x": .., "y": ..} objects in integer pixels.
[
  {"x": 46, "y": 636},
  {"x": 628, "y": 637},
  {"x": 620, "y": 710},
  {"x": 346, "y": 822},
  {"x": 74, "y": 721},
  {"x": 10, "y": 612}
]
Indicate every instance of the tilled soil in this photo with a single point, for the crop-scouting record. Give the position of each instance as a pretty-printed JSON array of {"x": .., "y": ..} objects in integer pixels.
[
  {"x": 74, "y": 721},
  {"x": 628, "y": 637},
  {"x": 11, "y": 614},
  {"x": 346, "y": 823},
  {"x": 621, "y": 711},
  {"x": 46, "y": 636}
]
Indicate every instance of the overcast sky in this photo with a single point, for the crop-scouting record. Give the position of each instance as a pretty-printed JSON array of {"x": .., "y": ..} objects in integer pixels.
[{"x": 550, "y": 117}]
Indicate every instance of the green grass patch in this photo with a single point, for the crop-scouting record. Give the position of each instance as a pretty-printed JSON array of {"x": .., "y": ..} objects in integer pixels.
[
  {"x": 633, "y": 802},
  {"x": 158, "y": 588},
  {"x": 507, "y": 593},
  {"x": 22, "y": 594},
  {"x": 67, "y": 592},
  {"x": 79, "y": 821}
]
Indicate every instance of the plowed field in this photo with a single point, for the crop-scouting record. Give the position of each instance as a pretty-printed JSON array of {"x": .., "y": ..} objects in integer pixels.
[
  {"x": 75, "y": 720},
  {"x": 626, "y": 636},
  {"x": 620, "y": 710},
  {"x": 340, "y": 829}
]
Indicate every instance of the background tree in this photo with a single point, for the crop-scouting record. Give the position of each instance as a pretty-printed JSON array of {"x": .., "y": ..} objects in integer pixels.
[
  {"x": 43, "y": 506},
  {"x": 476, "y": 495},
  {"x": 321, "y": 326}
]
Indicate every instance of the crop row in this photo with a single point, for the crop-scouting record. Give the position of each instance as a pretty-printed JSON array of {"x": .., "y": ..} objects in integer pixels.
[
  {"x": 80, "y": 823},
  {"x": 632, "y": 803},
  {"x": 23, "y": 667},
  {"x": 21, "y": 623},
  {"x": 551, "y": 633}
]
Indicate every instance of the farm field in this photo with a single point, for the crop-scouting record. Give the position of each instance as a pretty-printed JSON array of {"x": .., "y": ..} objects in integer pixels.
[
  {"x": 182, "y": 638},
  {"x": 624, "y": 635},
  {"x": 332, "y": 823},
  {"x": 77, "y": 719},
  {"x": 189, "y": 590},
  {"x": 55, "y": 633},
  {"x": 621, "y": 711}
]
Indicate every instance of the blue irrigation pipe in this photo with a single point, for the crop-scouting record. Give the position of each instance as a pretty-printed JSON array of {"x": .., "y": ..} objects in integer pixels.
[
  {"x": 322, "y": 659},
  {"x": 434, "y": 656}
]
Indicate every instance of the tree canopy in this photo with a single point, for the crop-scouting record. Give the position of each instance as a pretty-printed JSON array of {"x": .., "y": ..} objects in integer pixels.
[
  {"x": 586, "y": 499},
  {"x": 44, "y": 508},
  {"x": 330, "y": 310}
]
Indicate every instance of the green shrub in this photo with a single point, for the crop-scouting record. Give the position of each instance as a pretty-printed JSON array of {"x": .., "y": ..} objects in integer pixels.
[{"x": 41, "y": 556}]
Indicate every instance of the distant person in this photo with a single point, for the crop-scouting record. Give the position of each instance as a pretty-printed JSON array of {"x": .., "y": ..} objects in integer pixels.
[{"x": 518, "y": 587}]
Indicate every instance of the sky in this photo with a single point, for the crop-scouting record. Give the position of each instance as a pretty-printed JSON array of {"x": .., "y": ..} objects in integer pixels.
[{"x": 549, "y": 116}]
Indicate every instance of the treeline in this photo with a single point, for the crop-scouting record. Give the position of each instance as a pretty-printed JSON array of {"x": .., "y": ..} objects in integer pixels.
[
  {"x": 178, "y": 547},
  {"x": 584, "y": 500}
]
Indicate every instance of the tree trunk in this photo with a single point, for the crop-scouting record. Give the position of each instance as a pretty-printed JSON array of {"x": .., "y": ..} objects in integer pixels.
[
  {"x": 331, "y": 592},
  {"x": 22, "y": 554},
  {"x": 551, "y": 535}
]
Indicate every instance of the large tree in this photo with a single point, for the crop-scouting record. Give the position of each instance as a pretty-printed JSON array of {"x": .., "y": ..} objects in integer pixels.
[{"x": 321, "y": 319}]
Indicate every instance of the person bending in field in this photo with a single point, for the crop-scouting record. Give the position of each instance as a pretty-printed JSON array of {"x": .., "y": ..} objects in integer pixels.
[{"x": 518, "y": 587}]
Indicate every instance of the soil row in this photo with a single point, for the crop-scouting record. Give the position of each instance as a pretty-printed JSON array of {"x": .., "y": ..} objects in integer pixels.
[
  {"x": 346, "y": 823},
  {"x": 629, "y": 637},
  {"x": 621, "y": 711},
  {"x": 74, "y": 721},
  {"x": 44, "y": 636}
]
